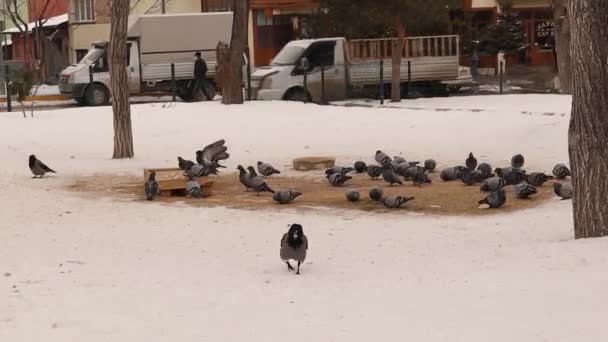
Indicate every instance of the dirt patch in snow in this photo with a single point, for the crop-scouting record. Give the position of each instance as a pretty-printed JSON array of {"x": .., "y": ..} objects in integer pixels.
[{"x": 438, "y": 198}]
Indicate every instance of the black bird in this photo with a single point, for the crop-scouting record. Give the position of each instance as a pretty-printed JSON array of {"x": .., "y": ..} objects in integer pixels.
[
  {"x": 360, "y": 167},
  {"x": 374, "y": 171},
  {"x": 495, "y": 199},
  {"x": 561, "y": 171},
  {"x": 471, "y": 162},
  {"x": 517, "y": 161},
  {"x": 537, "y": 178},
  {"x": 376, "y": 193},
  {"x": 184, "y": 164},
  {"x": 38, "y": 168},
  {"x": 524, "y": 190},
  {"x": 151, "y": 187},
  {"x": 294, "y": 245}
]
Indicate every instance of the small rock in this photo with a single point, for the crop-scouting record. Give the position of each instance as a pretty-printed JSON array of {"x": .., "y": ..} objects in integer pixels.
[
  {"x": 7, "y": 274},
  {"x": 54, "y": 326}
]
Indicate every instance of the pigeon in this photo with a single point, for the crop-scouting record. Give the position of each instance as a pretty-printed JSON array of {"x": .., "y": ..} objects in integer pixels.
[
  {"x": 398, "y": 160},
  {"x": 285, "y": 196},
  {"x": 511, "y": 175},
  {"x": 495, "y": 199},
  {"x": 471, "y": 162},
  {"x": 537, "y": 178},
  {"x": 563, "y": 190},
  {"x": 395, "y": 202},
  {"x": 471, "y": 177},
  {"x": 400, "y": 169},
  {"x": 561, "y": 171},
  {"x": 374, "y": 171},
  {"x": 198, "y": 170},
  {"x": 485, "y": 169},
  {"x": 267, "y": 169},
  {"x": 212, "y": 154},
  {"x": 376, "y": 193},
  {"x": 389, "y": 176},
  {"x": 524, "y": 190},
  {"x": 360, "y": 167},
  {"x": 352, "y": 195},
  {"x": 412, "y": 171},
  {"x": 492, "y": 184},
  {"x": 293, "y": 246},
  {"x": 517, "y": 161},
  {"x": 258, "y": 184},
  {"x": 38, "y": 168},
  {"x": 184, "y": 164},
  {"x": 337, "y": 179},
  {"x": 430, "y": 165},
  {"x": 194, "y": 188},
  {"x": 244, "y": 177},
  {"x": 151, "y": 187},
  {"x": 339, "y": 169},
  {"x": 420, "y": 179},
  {"x": 382, "y": 158},
  {"x": 451, "y": 173}
]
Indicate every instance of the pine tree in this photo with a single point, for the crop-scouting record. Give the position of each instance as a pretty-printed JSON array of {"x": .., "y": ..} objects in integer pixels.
[{"x": 507, "y": 35}]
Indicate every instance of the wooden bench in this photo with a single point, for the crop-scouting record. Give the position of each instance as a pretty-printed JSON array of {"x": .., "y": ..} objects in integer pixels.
[{"x": 172, "y": 181}]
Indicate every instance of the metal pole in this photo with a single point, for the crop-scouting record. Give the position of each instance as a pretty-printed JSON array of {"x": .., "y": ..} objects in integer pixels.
[
  {"x": 500, "y": 71},
  {"x": 248, "y": 78},
  {"x": 382, "y": 81},
  {"x": 322, "y": 85},
  {"x": 9, "y": 105},
  {"x": 305, "y": 82},
  {"x": 173, "y": 85},
  {"x": 409, "y": 77},
  {"x": 162, "y": 8},
  {"x": 90, "y": 74}
]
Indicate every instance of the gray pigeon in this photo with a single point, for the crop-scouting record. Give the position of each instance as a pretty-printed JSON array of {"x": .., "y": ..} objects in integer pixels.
[
  {"x": 471, "y": 162},
  {"x": 339, "y": 169},
  {"x": 151, "y": 187},
  {"x": 398, "y": 160},
  {"x": 374, "y": 171},
  {"x": 517, "y": 161},
  {"x": 194, "y": 188},
  {"x": 258, "y": 184},
  {"x": 198, "y": 170},
  {"x": 430, "y": 165},
  {"x": 285, "y": 196},
  {"x": 511, "y": 175},
  {"x": 485, "y": 168},
  {"x": 492, "y": 184},
  {"x": 401, "y": 169},
  {"x": 395, "y": 202},
  {"x": 267, "y": 169},
  {"x": 244, "y": 177},
  {"x": 293, "y": 246},
  {"x": 38, "y": 168},
  {"x": 537, "y": 178},
  {"x": 451, "y": 173},
  {"x": 352, "y": 195},
  {"x": 337, "y": 179},
  {"x": 382, "y": 158},
  {"x": 184, "y": 164},
  {"x": 390, "y": 177},
  {"x": 524, "y": 190},
  {"x": 563, "y": 190},
  {"x": 495, "y": 199},
  {"x": 212, "y": 154},
  {"x": 376, "y": 193},
  {"x": 360, "y": 167},
  {"x": 466, "y": 176},
  {"x": 412, "y": 171},
  {"x": 420, "y": 179},
  {"x": 561, "y": 171}
]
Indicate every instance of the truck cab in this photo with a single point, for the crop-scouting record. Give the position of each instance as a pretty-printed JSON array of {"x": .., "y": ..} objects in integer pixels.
[{"x": 88, "y": 81}]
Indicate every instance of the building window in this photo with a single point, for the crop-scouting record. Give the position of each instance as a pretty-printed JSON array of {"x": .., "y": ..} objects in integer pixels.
[
  {"x": 80, "y": 54},
  {"x": 84, "y": 11},
  {"x": 263, "y": 20},
  {"x": 216, "y": 5}
]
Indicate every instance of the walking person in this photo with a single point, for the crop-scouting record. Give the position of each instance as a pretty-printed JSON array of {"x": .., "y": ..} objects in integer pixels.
[{"x": 200, "y": 78}]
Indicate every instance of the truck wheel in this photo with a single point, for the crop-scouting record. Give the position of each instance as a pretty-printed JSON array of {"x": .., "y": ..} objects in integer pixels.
[
  {"x": 97, "y": 95},
  {"x": 297, "y": 95},
  {"x": 80, "y": 101}
]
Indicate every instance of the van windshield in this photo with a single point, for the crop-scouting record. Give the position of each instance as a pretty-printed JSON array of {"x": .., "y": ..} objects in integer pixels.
[
  {"x": 289, "y": 55},
  {"x": 92, "y": 56}
]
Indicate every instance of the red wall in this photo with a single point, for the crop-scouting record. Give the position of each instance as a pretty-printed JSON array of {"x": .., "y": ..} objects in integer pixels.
[{"x": 54, "y": 8}]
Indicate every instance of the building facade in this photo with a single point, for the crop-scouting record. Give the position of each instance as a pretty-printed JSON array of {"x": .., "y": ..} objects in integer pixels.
[
  {"x": 90, "y": 19},
  {"x": 537, "y": 18}
]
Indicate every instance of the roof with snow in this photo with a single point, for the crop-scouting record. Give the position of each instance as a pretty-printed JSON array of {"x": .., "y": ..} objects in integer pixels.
[{"x": 50, "y": 22}]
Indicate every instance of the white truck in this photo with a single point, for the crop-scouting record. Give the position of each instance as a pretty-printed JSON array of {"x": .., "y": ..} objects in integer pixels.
[
  {"x": 154, "y": 42},
  {"x": 354, "y": 65}
]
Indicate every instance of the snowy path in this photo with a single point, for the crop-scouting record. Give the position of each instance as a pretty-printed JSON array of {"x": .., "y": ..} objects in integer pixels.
[{"x": 99, "y": 270}]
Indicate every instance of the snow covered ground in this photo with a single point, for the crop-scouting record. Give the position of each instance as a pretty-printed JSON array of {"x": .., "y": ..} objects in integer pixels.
[{"x": 74, "y": 269}]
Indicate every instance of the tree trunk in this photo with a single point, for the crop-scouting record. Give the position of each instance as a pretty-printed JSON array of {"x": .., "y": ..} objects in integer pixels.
[
  {"x": 561, "y": 24},
  {"x": 232, "y": 82},
  {"x": 588, "y": 133},
  {"x": 123, "y": 135},
  {"x": 396, "y": 61}
]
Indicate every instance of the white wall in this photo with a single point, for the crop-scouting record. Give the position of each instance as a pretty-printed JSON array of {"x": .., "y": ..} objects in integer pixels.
[{"x": 172, "y": 6}]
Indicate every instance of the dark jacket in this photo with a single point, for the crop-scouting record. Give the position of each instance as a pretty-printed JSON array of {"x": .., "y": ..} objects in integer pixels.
[{"x": 200, "y": 68}]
